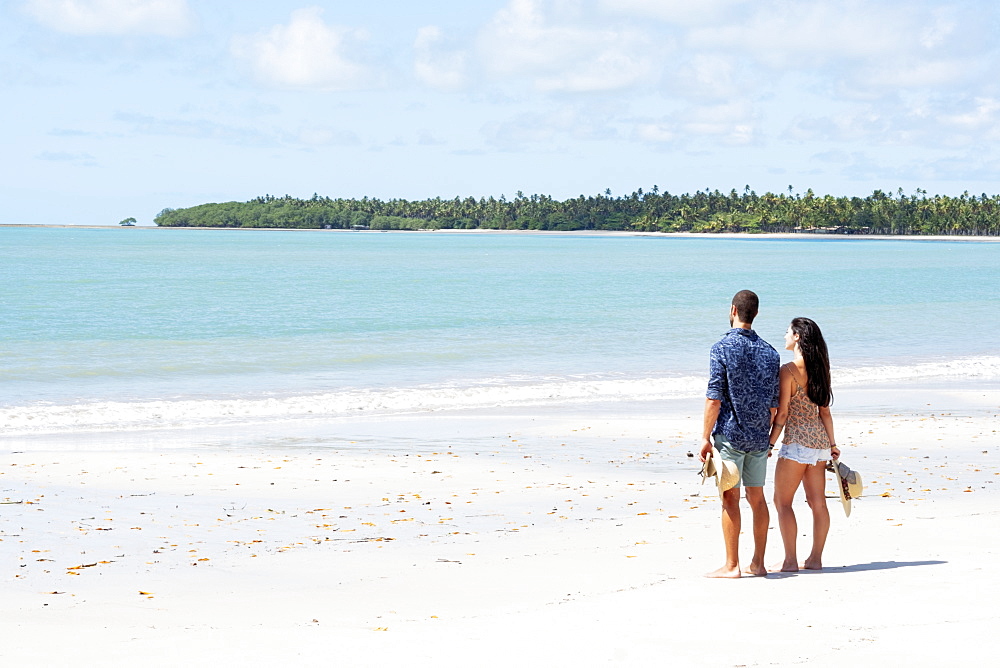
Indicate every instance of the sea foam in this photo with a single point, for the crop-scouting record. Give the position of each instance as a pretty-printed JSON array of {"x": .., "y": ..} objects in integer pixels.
[{"x": 493, "y": 393}]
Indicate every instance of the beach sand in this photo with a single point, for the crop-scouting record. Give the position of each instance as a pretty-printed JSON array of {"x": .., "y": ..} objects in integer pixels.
[{"x": 533, "y": 536}]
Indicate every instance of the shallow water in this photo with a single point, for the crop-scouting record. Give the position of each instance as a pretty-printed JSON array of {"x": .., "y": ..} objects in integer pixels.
[{"x": 111, "y": 329}]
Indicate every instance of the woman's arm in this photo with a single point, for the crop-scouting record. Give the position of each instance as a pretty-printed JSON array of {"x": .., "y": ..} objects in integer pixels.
[
  {"x": 784, "y": 396},
  {"x": 827, "y": 419}
]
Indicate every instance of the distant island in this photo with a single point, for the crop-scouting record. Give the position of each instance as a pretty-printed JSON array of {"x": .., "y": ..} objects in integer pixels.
[{"x": 651, "y": 211}]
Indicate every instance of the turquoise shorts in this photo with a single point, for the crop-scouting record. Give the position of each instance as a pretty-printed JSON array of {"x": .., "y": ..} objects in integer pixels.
[{"x": 752, "y": 465}]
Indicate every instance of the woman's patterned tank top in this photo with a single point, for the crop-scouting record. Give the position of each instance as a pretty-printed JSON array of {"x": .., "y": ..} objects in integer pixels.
[{"x": 803, "y": 425}]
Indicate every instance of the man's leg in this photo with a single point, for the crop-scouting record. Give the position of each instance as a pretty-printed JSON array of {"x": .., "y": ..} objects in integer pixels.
[
  {"x": 754, "y": 473},
  {"x": 731, "y": 521},
  {"x": 730, "y": 535}
]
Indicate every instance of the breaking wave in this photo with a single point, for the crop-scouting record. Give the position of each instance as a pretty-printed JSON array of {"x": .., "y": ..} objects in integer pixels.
[{"x": 176, "y": 413}]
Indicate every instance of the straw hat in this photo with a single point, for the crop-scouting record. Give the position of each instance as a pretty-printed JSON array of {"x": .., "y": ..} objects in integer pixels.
[
  {"x": 848, "y": 483},
  {"x": 725, "y": 472}
]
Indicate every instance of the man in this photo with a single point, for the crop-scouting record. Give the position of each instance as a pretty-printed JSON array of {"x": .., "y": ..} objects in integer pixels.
[{"x": 740, "y": 403}]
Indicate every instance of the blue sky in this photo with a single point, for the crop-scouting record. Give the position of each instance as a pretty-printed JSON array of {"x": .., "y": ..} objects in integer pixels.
[{"x": 117, "y": 108}]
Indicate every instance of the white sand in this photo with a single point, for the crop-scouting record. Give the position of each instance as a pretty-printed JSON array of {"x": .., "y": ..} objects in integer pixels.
[{"x": 557, "y": 537}]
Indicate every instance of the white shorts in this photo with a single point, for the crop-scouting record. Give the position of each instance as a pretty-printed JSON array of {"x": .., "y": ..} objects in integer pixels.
[{"x": 803, "y": 455}]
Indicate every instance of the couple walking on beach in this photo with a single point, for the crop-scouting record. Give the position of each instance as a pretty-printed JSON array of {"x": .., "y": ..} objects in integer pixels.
[{"x": 751, "y": 399}]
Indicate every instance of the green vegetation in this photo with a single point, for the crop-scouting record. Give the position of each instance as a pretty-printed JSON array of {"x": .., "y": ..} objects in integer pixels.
[
  {"x": 128, "y": 222},
  {"x": 653, "y": 211}
]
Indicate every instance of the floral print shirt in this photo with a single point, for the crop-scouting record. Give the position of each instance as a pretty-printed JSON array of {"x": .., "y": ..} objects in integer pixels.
[{"x": 743, "y": 375}]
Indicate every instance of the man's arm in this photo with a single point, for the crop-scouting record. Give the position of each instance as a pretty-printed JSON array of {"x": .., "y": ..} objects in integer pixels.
[
  {"x": 712, "y": 407},
  {"x": 717, "y": 382}
]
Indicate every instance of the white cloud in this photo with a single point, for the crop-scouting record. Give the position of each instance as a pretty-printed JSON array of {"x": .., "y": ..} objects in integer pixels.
[
  {"x": 708, "y": 75},
  {"x": 928, "y": 122},
  {"x": 438, "y": 68},
  {"x": 198, "y": 129},
  {"x": 542, "y": 130},
  {"x": 560, "y": 53},
  {"x": 306, "y": 53},
  {"x": 798, "y": 35},
  {"x": 732, "y": 123},
  {"x": 680, "y": 12},
  {"x": 869, "y": 48},
  {"x": 895, "y": 73},
  {"x": 324, "y": 136},
  {"x": 272, "y": 135},
  {"x": 863, "y": 124},
  {"x": 984, "y": 115},
  {"x": 935, "y": 118},
  {"x": 960, "y": 169},
  {"x": 655, "y": 133},
  {"x": 960, "y": 122},
  {"x": 80, "y": 159},
  {"x": 937, "y": 32},
  {"x": 427, "y": 138},
  {"x": 170, "y": 18}
]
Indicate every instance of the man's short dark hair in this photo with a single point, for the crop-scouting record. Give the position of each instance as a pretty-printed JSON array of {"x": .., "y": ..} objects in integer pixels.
[{"x": 746, "y": 303}]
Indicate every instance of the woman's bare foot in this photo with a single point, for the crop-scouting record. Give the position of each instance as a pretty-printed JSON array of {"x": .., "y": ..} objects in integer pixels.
[
  {"x": 786, "y": 567},
  {"x": 756, "y": 570},
  {"x": 813, "y": 565},
  {"x": 725, "y": 572}
]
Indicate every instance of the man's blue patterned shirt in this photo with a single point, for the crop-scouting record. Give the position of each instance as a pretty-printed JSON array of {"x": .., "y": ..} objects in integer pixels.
[{"x": 744, "y": 377}]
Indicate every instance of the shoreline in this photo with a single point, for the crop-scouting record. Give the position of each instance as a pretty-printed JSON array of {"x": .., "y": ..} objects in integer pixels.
[
  {"x": 595, "y": 233},
  {"x": 71, "y": 426}
]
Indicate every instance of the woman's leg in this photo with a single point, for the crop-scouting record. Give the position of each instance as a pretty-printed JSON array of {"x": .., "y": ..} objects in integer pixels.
[
  {"x": 814, "y": 482},
  {"x": 787, "y": 476}
]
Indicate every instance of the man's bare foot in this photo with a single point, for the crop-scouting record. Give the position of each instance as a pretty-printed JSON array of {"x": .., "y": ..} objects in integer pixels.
[
  {"x": 756, "y": 570},
  {"x": 813, "y": 565},
  {"x": 725, "y": 572}
]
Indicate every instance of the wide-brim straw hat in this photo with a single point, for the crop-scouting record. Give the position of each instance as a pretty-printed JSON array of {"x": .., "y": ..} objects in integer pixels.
[
  {"x": 724, "y": 472},
  {"x": 848, "y": 483}
]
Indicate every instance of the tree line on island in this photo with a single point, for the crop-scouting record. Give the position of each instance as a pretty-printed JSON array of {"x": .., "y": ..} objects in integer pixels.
[{"x": 651, "y": 211}]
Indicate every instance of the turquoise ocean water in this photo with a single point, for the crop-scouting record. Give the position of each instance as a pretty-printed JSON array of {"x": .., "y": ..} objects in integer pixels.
[{"x": 112, "y": 329}]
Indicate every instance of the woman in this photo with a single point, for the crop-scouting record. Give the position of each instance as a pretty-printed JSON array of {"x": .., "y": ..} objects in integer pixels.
[{"x": 804, "y": 414}]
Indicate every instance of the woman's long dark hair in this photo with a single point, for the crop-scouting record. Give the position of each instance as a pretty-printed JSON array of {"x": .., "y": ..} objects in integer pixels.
[{"x": 817, "y": 360}]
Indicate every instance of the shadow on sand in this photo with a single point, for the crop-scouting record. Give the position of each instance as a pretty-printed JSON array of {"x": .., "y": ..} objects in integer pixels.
[
  {"x": 881, "y": 566},
  {"x": 857, "y": 568}
]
